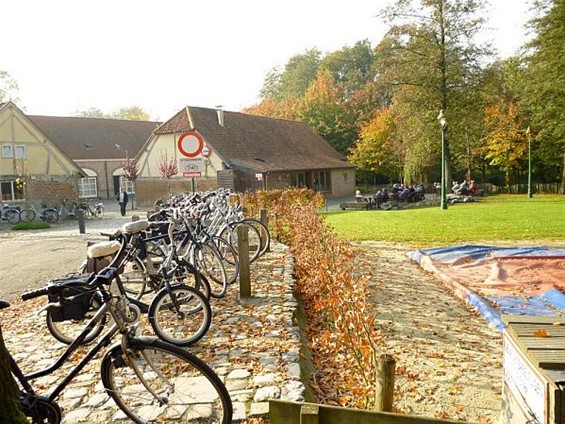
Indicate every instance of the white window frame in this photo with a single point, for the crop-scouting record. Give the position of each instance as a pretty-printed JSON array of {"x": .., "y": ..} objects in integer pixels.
[
  {"x": 7, "y": 151},
  {"x": 128, "y": 185},
  {"x": 20, "y": 148},
  {"x": 14, "y": 194},
  {"x": 88, "y": 187}
]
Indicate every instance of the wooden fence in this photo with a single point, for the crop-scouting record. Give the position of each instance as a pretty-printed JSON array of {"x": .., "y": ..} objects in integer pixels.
[{"x": 282, "y": 412}]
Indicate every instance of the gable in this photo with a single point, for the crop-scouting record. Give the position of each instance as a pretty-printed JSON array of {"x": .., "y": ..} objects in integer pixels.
[{"x": 41, "y": 155}]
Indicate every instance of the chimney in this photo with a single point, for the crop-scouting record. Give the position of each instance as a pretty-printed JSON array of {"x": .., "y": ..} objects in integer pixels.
[{"x": 220, "y": 112}]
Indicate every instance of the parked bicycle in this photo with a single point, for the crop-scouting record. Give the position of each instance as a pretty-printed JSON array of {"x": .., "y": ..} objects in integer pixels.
[
  {"x": 150, "y": 380},
  {"x": 9, "y": 214},
  {"x": 91, "y": 210},
  {"x": 62, "y": 212},
  {"x": 178, "y": 313}
]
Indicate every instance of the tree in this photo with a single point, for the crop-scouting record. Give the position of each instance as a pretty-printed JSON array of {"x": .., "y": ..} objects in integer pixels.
[
  {"x": 8, "y": 87},
  {"x": 131, "y": 113},
  {"x": 9, "y": 403},
  {"x": 379, "y": 149},
  {"x": 130, "y": 171},
  {"x": 167, "y": 168},
  {"x": 323, "y": 109},
  {"x": 543, "y": 93},
  {"x": 429, "y": 61}
]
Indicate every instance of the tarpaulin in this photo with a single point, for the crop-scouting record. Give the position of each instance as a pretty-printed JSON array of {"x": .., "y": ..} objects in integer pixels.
[{"x": 496, "y": 280}]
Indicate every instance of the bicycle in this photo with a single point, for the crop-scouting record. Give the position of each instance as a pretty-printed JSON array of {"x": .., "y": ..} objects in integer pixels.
[
  {"x": 95, "y": 210},
  {"x": 54, "y": 214},
  {"x": 150, "y": 380},
  {"x": 9, "y": 214},
  {"x": 178, "y": 313}
]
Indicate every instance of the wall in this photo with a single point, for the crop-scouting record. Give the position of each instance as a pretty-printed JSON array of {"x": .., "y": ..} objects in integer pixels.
[
  {"x": 148, "y": 190},
  {"x": 51, "y": 190},
  {"x": 343, "y": 182}
]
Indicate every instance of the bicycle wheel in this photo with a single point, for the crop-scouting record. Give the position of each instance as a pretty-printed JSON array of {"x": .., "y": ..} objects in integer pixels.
[
  {"x": 99, "y": 212},
  {"x": 154, "y": 381},
  {"x": 135, "y": 277},
  {"x": 254, "y": 239},
  {"x": 264, "y": 234},
  {"x": 185, "y": 273},
  {"x": 208, "y": 261},
  {"x": 50, "y": 215},
  {"x": 12, "y": 216},
  {"x": 180, "y": 315},
  {"x": 229, "y": 258},
  {"x": 27, "y": 215},
  {"x": 67, "y": 331}
]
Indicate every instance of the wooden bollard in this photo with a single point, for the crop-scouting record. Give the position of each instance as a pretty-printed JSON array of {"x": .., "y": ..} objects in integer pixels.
[
  {"x": 384, "y": 391},
  {"x": 80, "y": 219},
  {"x": 264, "y": 218},
  {"x": 243, "y": 254}
]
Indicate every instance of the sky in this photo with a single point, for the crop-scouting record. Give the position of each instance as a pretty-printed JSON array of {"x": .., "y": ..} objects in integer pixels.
[{"x": 69, "y": 55}]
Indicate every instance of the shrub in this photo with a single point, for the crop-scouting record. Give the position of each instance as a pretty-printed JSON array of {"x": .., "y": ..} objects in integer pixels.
[{"x": 31, "y": 226}]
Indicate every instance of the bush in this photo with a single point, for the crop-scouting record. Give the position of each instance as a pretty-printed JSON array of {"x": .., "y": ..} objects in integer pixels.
[{"x": 31, "y": 226}]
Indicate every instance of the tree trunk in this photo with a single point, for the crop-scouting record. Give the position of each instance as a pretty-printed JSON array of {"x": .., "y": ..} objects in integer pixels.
[
  {"x": 9, "y": 402},
  {"x": 563, "y": 177}
]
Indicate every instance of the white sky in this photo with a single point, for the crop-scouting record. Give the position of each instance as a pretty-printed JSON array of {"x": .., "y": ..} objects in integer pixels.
[{"x": 69, "y": 55}]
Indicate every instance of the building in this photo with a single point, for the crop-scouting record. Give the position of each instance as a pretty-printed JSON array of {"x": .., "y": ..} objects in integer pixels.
[
  {"x": 213, "y": 147},
  {"x": 71, "y": 157},
  {"x": 32, "y": 166}
]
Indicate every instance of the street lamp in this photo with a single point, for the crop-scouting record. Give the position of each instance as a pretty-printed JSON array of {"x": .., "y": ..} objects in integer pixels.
[
  {"x": 529, "y": 163},
  {"x": 443, "y": 124}
]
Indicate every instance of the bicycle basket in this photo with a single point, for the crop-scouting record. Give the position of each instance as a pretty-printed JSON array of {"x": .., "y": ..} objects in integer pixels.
[{"x": 74, "y": 296}]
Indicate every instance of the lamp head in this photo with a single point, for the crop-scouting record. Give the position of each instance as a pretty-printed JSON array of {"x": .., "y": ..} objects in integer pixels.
[{"x": 442, "y": 119}]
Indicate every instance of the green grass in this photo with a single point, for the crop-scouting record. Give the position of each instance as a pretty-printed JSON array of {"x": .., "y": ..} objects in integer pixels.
[
  {"x": 492, "y": 219},
  {"x": 31, "y": 226}
]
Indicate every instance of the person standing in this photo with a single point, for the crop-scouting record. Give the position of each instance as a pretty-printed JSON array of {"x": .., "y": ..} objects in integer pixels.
[{"x": 123, "y": 201}]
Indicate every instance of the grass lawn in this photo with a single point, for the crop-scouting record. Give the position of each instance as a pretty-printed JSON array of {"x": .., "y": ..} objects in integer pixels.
[{"x": 495, "y": 219}]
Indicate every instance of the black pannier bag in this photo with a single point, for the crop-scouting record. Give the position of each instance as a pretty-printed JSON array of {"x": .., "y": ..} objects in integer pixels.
[{"x": 74, "y": 296}]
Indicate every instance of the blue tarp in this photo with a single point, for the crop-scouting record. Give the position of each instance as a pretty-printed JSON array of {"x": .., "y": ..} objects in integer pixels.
[{"x": 551, "y": 303}]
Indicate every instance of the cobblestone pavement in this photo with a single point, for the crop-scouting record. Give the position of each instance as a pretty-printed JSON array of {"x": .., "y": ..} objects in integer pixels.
[{"x": 251, "y": 345}]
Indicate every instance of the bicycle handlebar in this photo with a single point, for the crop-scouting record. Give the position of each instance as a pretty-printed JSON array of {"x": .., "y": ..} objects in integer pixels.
[{"x": 34, "y": 293}]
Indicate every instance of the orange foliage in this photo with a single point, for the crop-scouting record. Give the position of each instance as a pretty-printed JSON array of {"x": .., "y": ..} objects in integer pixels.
[{"x": 343, "y": 336}]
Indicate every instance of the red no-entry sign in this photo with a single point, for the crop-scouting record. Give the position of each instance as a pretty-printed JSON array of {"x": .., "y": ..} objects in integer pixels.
[{"x": 190, "y": 144}]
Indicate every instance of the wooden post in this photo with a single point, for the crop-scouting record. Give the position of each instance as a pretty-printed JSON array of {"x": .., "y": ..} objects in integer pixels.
[
  {"x": 384, "y": 390},
  {"x": 243, "y": 253},
  {"x": 309, "y": 414},
  {"x": 80, "y": 219},
  {"x": 264, "y": 218}
]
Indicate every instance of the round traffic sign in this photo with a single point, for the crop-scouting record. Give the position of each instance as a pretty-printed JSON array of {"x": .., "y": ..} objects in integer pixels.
[
  {"x": 190, "y": 144},
  {"x": 206, "y": 151}
]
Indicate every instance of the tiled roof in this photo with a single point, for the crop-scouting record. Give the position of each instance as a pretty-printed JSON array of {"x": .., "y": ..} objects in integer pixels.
[
  {"x": 95, "y": 138},
  {"x": 256, "y": 142}
]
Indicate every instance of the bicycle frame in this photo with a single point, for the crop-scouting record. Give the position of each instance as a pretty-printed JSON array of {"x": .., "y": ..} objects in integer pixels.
[{"x": 109, "y": 305}]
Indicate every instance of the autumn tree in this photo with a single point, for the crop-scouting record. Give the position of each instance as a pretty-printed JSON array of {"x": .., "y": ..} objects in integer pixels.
[
  {"x": 379, "y": 149},
  {"x": 130, "y": 170},
  {"x": 167, "y": 168},
  {"x": 429, "y": 61}
]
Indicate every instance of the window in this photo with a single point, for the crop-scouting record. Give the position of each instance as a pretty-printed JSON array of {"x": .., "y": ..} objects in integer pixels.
[
  {"x": 128, "y": 185},
  {"x": 321, "y": 181},
  {"x": 17, "y": 151},
  {"x": 20, "y": 151},
  {"x": 10, "y": 191},
  {"x": 87, "y": 187},
  {"x": 7, "y": 151}
]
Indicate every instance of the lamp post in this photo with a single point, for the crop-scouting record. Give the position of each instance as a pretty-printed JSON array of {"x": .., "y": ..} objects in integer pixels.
[
  {"x": 529, "y": 163},
  {"x": 443, "y": 124}
]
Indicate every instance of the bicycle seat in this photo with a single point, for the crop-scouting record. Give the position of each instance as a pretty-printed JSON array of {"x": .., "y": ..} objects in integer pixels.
[
  {"x": 4, "y": 304},
  {"x": 103, "y": 248},
  {"x": 135, "y": 227}
]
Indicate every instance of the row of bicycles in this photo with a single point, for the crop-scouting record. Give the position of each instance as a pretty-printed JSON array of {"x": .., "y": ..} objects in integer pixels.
[
  {"x": 29, "y": 213},
  {"x": 164, "y": 271}
]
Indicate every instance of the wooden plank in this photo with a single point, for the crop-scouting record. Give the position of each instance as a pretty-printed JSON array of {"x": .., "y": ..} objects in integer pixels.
[
  {"x": 543, "y": 342},
  {"x": 309, "y": 414},
  {"x": 283, "y": 412},
  {"x": 528, "y": 319}
]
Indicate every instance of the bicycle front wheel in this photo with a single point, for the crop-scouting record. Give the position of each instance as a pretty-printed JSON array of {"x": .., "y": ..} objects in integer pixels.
[
  {"x": 154, "y": 381},
  {"x": 50, "y": 215},
  {"x": 180, "y": 315},
  {"x": 13, "y": 216},
  {"x": 99, "y": 212}
]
